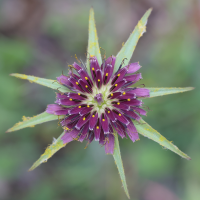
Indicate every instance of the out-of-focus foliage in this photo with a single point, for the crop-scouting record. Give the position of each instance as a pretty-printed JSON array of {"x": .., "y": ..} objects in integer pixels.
[{"x": 40, "y": 38}]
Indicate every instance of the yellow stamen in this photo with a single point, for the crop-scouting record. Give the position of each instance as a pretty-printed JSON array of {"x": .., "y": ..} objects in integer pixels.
[
  {"x": 103, "y": 120},
  {"x": 118, "y": 103},
  {"x": 86, "y": 78},
  {"x": 77, "y": 83},
  {"x": 79, "y": 107},
  {"x": 98, "y": 80},
  {"x": 70, "y": 99},
  {"x": 86, "y": 86},
  {"x": 115, "y": 85},
  {"x": 128, "y": 99},
  {"x": 118, "y": 75},
  {"x": 124, "y": 93},
  {"x": 84, "y": 119},
  {"x": 108, "y": 111},
  {"x": 97, "y": 127},
  {"x": 111, "y": 94},
  {"x": 120, "y": 114},
  {"x": 79, "y": 94},
  {"x": 88, "y": 106},
  {"x": 106, "y": 74},
  {"x": 93, "y": 69},
  {"x": 92, "y": 115}
]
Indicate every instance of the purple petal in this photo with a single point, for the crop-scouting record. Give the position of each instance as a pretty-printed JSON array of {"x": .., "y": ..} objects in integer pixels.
[
  {"x": 107, "y": 74},
  {"x": 104, "y": 123},
  {"x": 76, "y": 66},
  {"x": 133, "y": 102},
  {"x": 77, "y": 109},
  {"x": 85, "y": 110},
  {"x": 69, "y": 136},
  {"x": 132, "y": 115},
  {"x": 133, "y": 78},
  {"x": 117, "y": 86},
  {"x": 132, "y": 131},
  {"x": 141, "y": 92},
  {"x": 85, "y": 86},
  {"x": 109, "y": 144},
  {"x": 56, "y": 109},
  {"x": 126, "y": 95},
  {"x": 99, "y": 78},
  {"x": 85, "y": 77},
  {"x": 139, "y": 110},
  {"x": 121, "y": 105},
  {"x": 120, "y": 117},
  {"x": 102, "y": 138},
  {"x": 64, "y": 80},
  {"x": 97, "y": 130},
  {"x": 120, "y": 129},
  {"x": 94, "y": 66},
  {"x": 93, "y": 121},
  {"x": 110, "y": 114},
  {"x": 84, "y": 132},
  {"x": 133, "y": 67},
  {"x": 76, "y": 84},
  {"x": 77, "y": 96},
  {"x": 67, "y": 102},
  {"x": 114, "y": 95},
  {"x": 119, "y": 75},
  {"x": 82, "y": 121}
]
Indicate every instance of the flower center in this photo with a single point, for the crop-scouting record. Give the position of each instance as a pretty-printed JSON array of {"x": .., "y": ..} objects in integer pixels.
[{"x": 99, "y": 98}]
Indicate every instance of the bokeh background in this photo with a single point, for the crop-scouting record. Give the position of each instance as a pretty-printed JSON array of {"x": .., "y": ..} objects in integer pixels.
[{"x": 41, "y": 38}]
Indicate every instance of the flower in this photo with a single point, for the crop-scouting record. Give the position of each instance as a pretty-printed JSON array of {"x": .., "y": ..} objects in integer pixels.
[
  {"x": 96, "y": 105},
  {"x": 101, "y": 101}
]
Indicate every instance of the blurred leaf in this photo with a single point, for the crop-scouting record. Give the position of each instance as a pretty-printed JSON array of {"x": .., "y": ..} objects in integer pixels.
[
  {"x": 147, "y": 131},
  {"x": 93, "y": 44},
  {"x": 154, "y": 92},
  {"x": 49, "y": 152},
  {"x": 119, "y": 163},
  {"x": 128, "y": 48},
  {"x": 53, "y": 84},
  {"x": 32, "y": 121}
]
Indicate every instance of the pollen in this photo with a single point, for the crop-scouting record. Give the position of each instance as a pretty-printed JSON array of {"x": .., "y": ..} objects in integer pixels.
[
  {"x": 106, "y": 74},
  {"x": 79, "y": 107},
  {"x": 88, "y": 106},
  {"x": 86, "y": 78},
  {"x": 111, "y": 94},
  {"x": 108, "y": 112},
  {"x": 97, "y": 127},
  {"x": 120, "y": 115},
  {"x": 98, "y": 80},
  {"x": 118, "y": 103},
  {"x": 93, "y": 69},
  {"x": 84, "y": 119},
  {"x": 128, "y": 99},
  {"x": 86, "y": 86},
  {"x": 115, "y": 85},
  {"x": 79, "y": 94},
  {"x": 124, "y": 93},
  {"x": 77, "y": 83},
  {"x": 70, "y": 99},
  {"x": 92, "y": 115},
  {"x": 103, "y": 120},
  {"x": 118, "y": 75}
]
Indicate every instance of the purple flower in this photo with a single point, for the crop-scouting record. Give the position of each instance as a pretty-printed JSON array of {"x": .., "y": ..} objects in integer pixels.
[{"x": 98, "y": 104}]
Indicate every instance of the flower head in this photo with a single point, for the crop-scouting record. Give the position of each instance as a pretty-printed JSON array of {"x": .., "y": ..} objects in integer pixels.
[{"x": 98, "y": 104}]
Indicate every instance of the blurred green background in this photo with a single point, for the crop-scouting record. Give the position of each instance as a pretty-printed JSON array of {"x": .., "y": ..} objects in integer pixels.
[{"x": 41, "y": 38}]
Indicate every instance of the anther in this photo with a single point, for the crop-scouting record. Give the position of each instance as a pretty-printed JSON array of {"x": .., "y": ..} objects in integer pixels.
[
  {"x": 86, "y": 78},
  {"x": 79, "y": 94},
  {"x": 108, "y": 112},
  {"x": 84, "y": 119},
  {"x": 103, "y": 120},
  {"x": 79, "y": 107},
  {"x": 124, "y": 93},
  {"x": 118, "y": 103},
  {"x": 86, "y": 86},
  {"x": 70, "y": 99},
  {"x": 77, "y": 83},
  {"x": 128, "y": 99},
  {"x": 98, "y": 80},
  {"x": 93, "y": 69},
  {"x": 106, "y": 74},
  {"x": 88, "y": 106},
  {"x": 111, "y": 94},
  {"x": 93, "y": 115},
  {"x": 115, "y": 85},
  {"x": 120, "y": 114},
  {"x": 97, "y": 127},
  {"x": 118, "y": 75}
]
